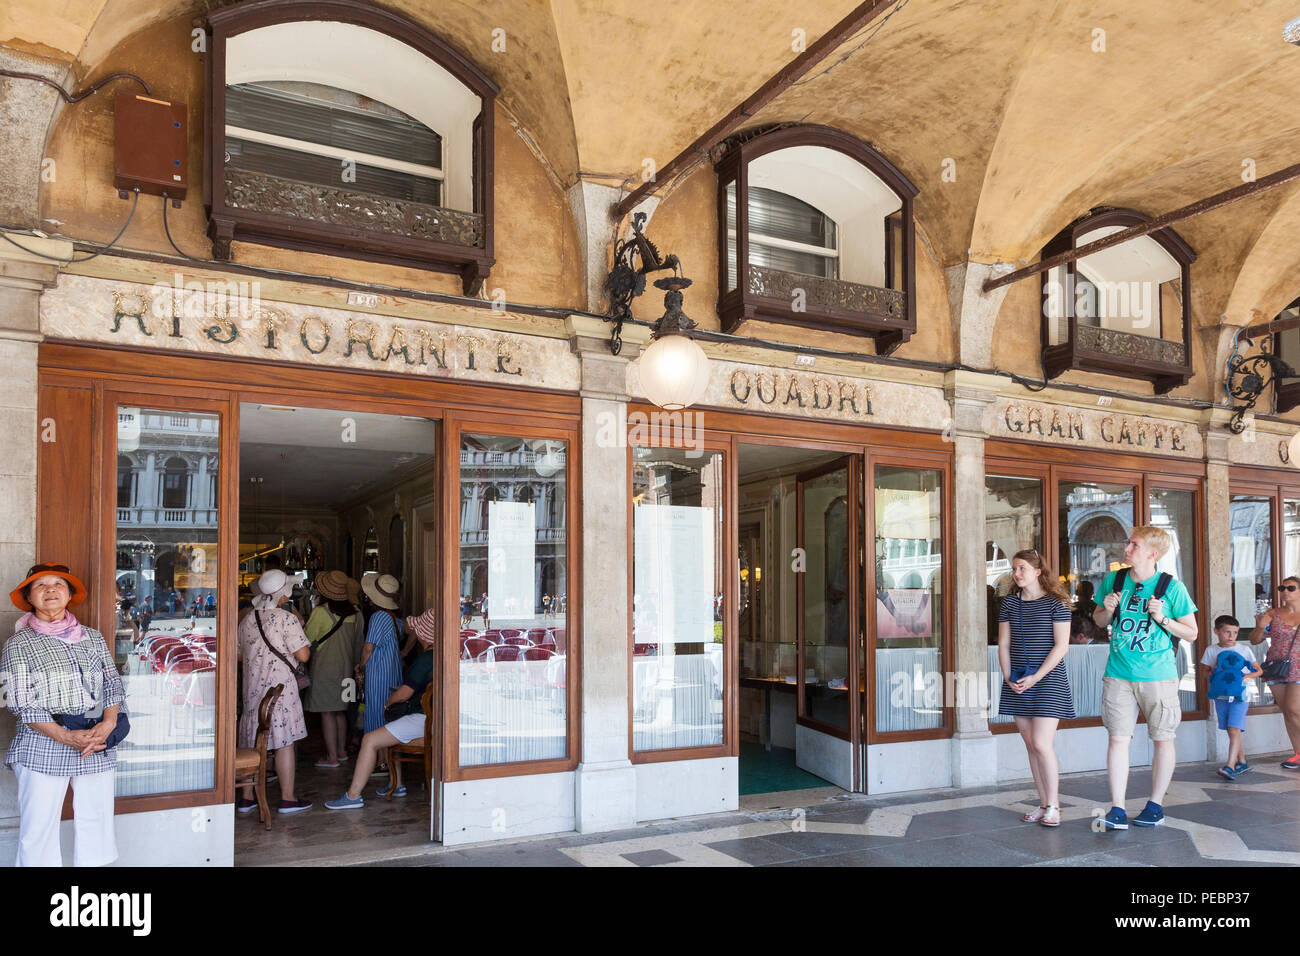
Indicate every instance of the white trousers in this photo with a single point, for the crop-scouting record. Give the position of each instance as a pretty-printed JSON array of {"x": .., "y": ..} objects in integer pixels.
[{"x": 40, "y": 806}]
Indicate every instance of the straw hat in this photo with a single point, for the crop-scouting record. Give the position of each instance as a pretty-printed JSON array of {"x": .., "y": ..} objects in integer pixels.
[
  {"x": 425, "y": 627},
  {"x": 354, "y": 591},
  {"x": 382, "y": 589},
  {"x": 41, "y": 570},
  {"x": 332, "y": 585}
]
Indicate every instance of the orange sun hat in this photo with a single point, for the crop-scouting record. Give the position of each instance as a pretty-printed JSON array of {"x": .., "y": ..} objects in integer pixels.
[{"x": 40, "y": 571}]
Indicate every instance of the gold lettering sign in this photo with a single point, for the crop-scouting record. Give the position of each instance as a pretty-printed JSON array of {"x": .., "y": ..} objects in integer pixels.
[{"x": 781, "y": 391}]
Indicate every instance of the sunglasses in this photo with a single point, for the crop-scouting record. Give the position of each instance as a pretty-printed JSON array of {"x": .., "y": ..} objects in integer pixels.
[
  {"x": 42, "y": 568},
  {"x": 1288, "y": 587}
]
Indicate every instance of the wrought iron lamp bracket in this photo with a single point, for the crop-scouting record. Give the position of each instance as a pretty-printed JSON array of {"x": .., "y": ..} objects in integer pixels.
[
  {"x": 634, "y": 257},
  {"x": 1248, "y": 377}
]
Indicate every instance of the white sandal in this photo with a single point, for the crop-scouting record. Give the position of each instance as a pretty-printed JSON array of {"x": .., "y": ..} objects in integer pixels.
[
  {"x": 1052, "y": 818},
  {"x": 1033, "y": 816}
]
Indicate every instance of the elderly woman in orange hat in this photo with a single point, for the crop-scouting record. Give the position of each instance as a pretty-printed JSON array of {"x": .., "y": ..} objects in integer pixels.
[
  {"x": 55, "y": 667},
  {"x": 334, "y": 630},
  {"x": 406, "y": 720}
]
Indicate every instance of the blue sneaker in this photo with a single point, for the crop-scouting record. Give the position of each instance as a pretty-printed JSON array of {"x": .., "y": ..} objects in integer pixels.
[
  {"x": 399, "y": 792},
  {"x": 345, "y": 803},
  {"x": 1117, "y": 819},
  {"x": 1241, "y": 768},
  {"x": 1152, "y": 815},
  {"x": 1226, "y": 772}
]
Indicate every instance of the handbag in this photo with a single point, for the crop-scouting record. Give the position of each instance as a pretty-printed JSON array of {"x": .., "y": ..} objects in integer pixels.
[
  {"x": 403, "y": 708},
  {"x": 85, "y": 722},
  {"x": 1280, "y": 669},
  {"x": 299, "y": 674}
]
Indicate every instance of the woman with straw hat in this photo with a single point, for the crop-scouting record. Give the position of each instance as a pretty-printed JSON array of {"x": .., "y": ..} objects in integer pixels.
[
  {"x": 268, "y": 639},
  {"x": 57, "y": 667},
  {"x": 381, "y": 661},
  {"x": 334, "y": 630}
]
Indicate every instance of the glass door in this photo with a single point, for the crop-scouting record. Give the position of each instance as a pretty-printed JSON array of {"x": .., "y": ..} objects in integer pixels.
[{"x": 829, "y": 612}]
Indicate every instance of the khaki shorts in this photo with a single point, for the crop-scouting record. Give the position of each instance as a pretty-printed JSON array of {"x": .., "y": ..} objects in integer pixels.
[{"x": 1158, "y": 700}]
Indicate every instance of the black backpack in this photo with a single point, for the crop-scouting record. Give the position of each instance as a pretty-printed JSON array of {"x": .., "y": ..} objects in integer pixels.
[{"x": 1162, "y": 585}]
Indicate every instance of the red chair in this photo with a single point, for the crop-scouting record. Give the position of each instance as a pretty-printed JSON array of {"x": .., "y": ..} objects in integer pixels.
[
  {"x": 506, "y": 652},
  {"x": 642, "y": 650},
  {"x": 538, "y": 653},
  {"x": 558, "y": 633},
  {"x": 476, "y": 647},
  {"x": 469, "y": 632},
  {"x": 539, "y": 635},
  {"x": 519, "y": 641},
  {"x": 509, "y": 632},
  {"x": 493, "y": 634}
]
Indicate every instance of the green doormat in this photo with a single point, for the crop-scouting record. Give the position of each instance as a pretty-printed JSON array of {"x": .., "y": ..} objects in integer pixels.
[{"x": 764, "y": 771}]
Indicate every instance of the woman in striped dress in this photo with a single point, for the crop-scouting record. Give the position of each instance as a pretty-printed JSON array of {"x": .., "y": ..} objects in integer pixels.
[
  {"x": 381, "y": 660},
  {"x": 1033, "y": 639}
]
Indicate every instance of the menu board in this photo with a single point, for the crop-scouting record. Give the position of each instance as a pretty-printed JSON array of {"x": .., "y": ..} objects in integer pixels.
[
  {"x": 673, "y": 546},
  {"x": 512, "y": 545}
]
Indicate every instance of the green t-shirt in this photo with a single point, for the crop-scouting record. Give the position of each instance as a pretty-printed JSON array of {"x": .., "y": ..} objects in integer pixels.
[{"x": 1141, "y": 650}]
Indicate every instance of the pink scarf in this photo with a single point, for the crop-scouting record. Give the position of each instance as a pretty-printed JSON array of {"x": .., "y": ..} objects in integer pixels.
[{"x": 66, "y": 629}]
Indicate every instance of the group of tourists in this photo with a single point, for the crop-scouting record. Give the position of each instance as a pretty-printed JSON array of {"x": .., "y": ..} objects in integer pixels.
[
  {"x": 61, "y": 682},
  {"x": 1148, "y": 612}
]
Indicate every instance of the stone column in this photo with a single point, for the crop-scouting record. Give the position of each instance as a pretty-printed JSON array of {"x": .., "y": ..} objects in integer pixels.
[
  {"x": 1218, "y": 528},
  {"x": 22, "y": 280},
  {"x": 974, "y": 749},
  {"x": 605, "y": 788}
]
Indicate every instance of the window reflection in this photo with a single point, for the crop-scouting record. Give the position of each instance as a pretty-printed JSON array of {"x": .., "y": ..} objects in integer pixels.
[
  {"x": 514, "y": 579},
  {"x": 165, "y": 631},
  {"x": 1250, "y": 518},
  {"x": 677, "y": 630}
]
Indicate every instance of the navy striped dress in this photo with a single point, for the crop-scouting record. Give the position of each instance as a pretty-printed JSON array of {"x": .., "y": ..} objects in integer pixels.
[{"x": 1031, "y": 643}]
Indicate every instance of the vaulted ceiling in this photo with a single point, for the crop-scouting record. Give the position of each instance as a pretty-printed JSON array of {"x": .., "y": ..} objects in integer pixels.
[{"x": 1037, "y": 110}]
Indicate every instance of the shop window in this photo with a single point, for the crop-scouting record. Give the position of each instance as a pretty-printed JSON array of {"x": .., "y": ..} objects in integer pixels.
[
  {"x": 165, "y": 632},
  {"x": 1125, "y": 310},
  {"x": 310, "y": 147},
  {"x": 678, "y": 664},
  {"x": 1251, "y": 522},
  {"x": 826, "y": 627},
  {"x": 513, "y": 672},
  {"x": 815, "y": 230},
  {"x": 1174, "y": 511},
  {"x": 1013, "y": 522},
  {"x": 909, "y": 616},
  {"x": 1287, "y": 346}
]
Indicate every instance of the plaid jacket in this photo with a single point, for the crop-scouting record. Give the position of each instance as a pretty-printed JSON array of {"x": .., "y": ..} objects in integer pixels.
[{"x": 38, "y": 679}]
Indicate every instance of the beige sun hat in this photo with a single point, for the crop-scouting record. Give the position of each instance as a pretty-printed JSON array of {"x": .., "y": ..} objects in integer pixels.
[
  {"x": 382, "y": 589},
  {"x": 332, "y": 585}
]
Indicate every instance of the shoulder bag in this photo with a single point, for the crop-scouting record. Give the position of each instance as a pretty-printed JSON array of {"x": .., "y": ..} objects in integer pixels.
[
  {"x": 87, "y": 722},
  {"x": 1280, "y": 669},
  {"x": 299, "y": 674}
]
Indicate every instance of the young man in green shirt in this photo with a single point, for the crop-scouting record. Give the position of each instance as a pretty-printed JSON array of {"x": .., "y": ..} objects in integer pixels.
[{"x": 1142, "y": 669}]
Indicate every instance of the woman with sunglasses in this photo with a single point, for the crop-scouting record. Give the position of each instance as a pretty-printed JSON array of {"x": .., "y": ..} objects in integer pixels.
[
  {"x": 1033, "y": 639},
  {"x": 1280, "y": 625},
  {"x": 55, "y": 666}
]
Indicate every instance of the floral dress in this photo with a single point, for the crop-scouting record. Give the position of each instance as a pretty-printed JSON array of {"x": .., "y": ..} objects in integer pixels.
[{"x": 263, "y": 669}]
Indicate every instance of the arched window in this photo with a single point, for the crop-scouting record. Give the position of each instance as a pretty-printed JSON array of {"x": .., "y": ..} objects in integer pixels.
[
  {"x": 815, "y": 229},
  {"x": 1287, "y": 345},
  {"x": 343, "y": 128},
  {"x": 1125, "y": 310},
  {"x": 175, "y": 484},
  {"x": 125, "y": 482}
]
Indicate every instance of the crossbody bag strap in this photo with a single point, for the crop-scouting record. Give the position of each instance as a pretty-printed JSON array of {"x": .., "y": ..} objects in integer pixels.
[
  {"x": 257, "y": 617},
  {"x": 316, "y": 645}
]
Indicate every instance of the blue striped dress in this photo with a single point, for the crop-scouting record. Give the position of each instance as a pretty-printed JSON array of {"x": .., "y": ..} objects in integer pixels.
[
  {"x": 1031, "y": 643},
  {"x": 384, "y": 669}
]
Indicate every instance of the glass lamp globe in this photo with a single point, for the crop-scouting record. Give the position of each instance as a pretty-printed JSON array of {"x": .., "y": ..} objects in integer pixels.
[
  {"x": 674, "y": 372},
  {"x": 549, "y": 460}
]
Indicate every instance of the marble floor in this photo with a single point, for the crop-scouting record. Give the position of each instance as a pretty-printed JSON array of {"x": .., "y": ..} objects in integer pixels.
[{"x": 1252, "y": 821}]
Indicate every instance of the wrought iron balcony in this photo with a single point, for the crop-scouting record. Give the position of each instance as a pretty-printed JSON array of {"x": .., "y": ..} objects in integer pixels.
[{"x": 1164, "y": 362}]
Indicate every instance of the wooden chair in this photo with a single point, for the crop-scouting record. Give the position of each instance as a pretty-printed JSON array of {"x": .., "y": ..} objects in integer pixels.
[
  {"x": 417, "y": 751},
  {"x": 250, "y": 764}
]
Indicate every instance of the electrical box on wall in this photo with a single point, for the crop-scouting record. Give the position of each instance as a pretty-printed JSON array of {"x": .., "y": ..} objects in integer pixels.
[{"x": 149, "y": 145}]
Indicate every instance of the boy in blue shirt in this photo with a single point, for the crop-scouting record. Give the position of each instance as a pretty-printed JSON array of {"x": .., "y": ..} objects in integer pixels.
[
  {"x": 1228, "y": 689},
  {"x": 1150, "y": 612}
]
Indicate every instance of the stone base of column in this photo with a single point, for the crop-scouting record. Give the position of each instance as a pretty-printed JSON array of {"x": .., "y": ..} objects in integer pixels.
[
  {"x": 974, "y": 759},
  {"x": 604, "y": 796}
]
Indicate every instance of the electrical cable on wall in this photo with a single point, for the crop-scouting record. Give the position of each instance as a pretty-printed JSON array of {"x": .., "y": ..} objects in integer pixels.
[
  {"x": 135, "y": 200},
  {"x": 167, "y": 229},
  {"x": 77, "y": 97}
]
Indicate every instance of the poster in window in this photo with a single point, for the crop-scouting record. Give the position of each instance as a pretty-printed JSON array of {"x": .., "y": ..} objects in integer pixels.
[
  {"x": 903, "y": 612},
  {"x": 512, "y": 544},
  {"x": 673, "y": 547}
]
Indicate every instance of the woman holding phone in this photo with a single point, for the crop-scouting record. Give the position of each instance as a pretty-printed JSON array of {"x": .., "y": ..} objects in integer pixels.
[{"x": 1033, "y": 638}]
